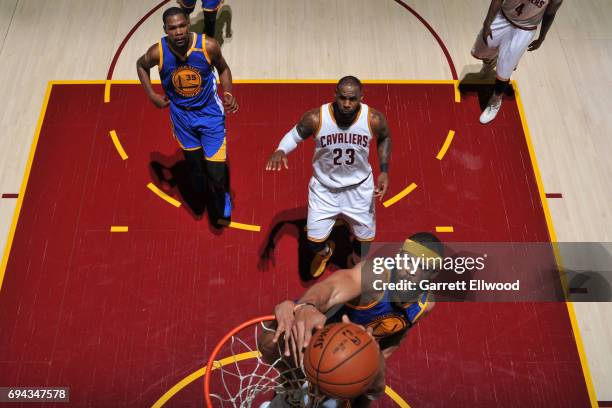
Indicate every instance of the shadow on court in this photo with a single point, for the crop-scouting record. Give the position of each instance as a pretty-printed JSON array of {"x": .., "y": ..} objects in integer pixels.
[
  {"x": 223, "y": 27},
  {"x": 224, "y": 23},
  {"x": 473, "y": 82},
  {"x": 292, "y": 223},
  {"x": 172, "y": 175}
]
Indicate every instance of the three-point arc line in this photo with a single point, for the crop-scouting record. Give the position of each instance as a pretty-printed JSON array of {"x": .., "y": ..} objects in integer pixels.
[
  {"x": 238, "y": 225},
  {"x": 412, "y": 186},
  {"x": 445, "y": 228},
  {"x": 457, "y": 94},
  {"x": 118, "y": 228},
  {"x": 400, "y": 195},
  {"x": 152, "y": 187},
  {"x": 163, "y": 195},
  {"x": 446, "y": 145},
  {"x": 107, "y": 86},
  {"x": 117, "y": 144}
]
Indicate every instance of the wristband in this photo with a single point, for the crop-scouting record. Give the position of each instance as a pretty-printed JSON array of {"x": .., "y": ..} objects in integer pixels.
[
  {"x": 290, "y": 141},
  {"x": 227, "y": 93},
  {"x": 300, "y": 305},
  {"x": 384, "y": 167}
]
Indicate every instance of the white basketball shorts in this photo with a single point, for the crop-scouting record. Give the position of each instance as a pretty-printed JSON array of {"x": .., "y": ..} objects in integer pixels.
[
  {"x": 354, "y": 204},
  {"x": 508, "y": 44}
]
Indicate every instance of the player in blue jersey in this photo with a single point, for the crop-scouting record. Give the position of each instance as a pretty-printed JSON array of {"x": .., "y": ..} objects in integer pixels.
[
  {"x": 197, "y": 113},
  {"x": 346, "y": 295},
  {"x": 209, "y": 7}
]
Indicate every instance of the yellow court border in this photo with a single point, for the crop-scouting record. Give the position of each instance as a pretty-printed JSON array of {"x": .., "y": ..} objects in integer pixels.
[
  {"x": 240, "y": 357},
  {"x": 24, "y": 183},
  {"x": 456, "y": 89},
  {"x": 107, "y": 86},
  {"x": 274, "y": 81},
  {"x": 570, "y": 308},
  {"x": 553, "y": 238}
]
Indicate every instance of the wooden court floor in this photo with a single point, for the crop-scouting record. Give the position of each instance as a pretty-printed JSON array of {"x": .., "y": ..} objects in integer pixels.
[{"x": 566, "y": 109}]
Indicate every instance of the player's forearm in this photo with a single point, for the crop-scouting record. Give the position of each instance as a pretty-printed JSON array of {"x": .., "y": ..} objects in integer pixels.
[
  {"x": 546, "y": 24},
  {"x": 290, "y": 141},
  {"x": 338, "y": 289},
  {"x": 384, "y": 153},
  {"x": 320, "y": 295},
  {"x": 225, "y": 77},
  {"x": 144, "y": 76},
  {"x": 493, "y": 10}
]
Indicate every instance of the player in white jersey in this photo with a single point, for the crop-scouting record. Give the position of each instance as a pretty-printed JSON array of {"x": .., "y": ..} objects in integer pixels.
[
  {"x": 342, "y": 183},
  {"x": 508, "y": 30}
]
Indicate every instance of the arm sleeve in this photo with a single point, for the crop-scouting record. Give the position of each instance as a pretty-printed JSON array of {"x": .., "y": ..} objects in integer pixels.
[{"x": 290, "y": 141}]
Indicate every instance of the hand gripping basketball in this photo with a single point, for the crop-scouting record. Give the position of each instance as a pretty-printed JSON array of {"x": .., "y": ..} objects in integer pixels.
[
  {"x": 283, "y": 312},
  {"x": 306, "y": 320},
  {"x": 342, "y": 361}
]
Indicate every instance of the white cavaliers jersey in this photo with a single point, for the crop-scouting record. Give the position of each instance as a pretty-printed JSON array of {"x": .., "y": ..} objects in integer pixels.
[
  {"x": 525, "y": 14},
  {"x": 341, "y": 154}
]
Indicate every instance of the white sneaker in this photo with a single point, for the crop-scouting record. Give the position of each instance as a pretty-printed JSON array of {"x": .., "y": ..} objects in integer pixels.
[{"x": 490, "y": 112}]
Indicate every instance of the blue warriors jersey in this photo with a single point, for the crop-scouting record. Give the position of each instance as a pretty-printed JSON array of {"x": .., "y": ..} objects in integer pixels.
[
  {"x": 385, "y": 317},
  {"x": 190, "y": 84},
  {"x": 388, "y": 320}
]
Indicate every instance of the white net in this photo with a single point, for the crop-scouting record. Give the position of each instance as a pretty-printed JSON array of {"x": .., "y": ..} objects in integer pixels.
[{"x": 240, "y": 378}]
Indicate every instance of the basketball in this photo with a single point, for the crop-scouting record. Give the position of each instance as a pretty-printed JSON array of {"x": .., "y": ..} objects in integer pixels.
[{"x": 341, "y": 360}]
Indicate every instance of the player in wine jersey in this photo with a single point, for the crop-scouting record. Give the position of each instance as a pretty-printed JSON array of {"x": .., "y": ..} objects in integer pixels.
[
  {"x": 507, "y": 31},
  {"x": 342, "y": 184},
  {"x": 185, "y": 61}
]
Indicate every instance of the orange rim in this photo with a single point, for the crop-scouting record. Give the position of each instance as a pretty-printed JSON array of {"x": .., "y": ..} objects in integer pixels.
[{"x": 211, "y": 359}]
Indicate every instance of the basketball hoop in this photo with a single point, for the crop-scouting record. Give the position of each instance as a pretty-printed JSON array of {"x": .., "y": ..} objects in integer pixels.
[{"x": 236, "y": 375}]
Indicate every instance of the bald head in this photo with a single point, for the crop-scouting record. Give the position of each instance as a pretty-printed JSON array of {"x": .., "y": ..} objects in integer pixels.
[{"x": 349, "y": 81}]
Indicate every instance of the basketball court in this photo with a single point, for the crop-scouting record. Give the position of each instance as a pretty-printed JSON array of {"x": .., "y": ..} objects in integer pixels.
[{"x": 115, "y": 284}]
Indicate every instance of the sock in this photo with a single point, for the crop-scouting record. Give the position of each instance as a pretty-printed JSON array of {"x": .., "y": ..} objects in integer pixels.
[{"x": 500, "y": 86}]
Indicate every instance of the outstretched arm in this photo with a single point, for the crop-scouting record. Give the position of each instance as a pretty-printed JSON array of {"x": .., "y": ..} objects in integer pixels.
[
  {"x": 549, "y": 17},
  {"x": 378, "y": 123},
  {"x": 338, "y": 289},
  {"x": 143, "y": 67},
  {"x": 307, "y": 126},
  {"x": 213, "y": 49}
]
